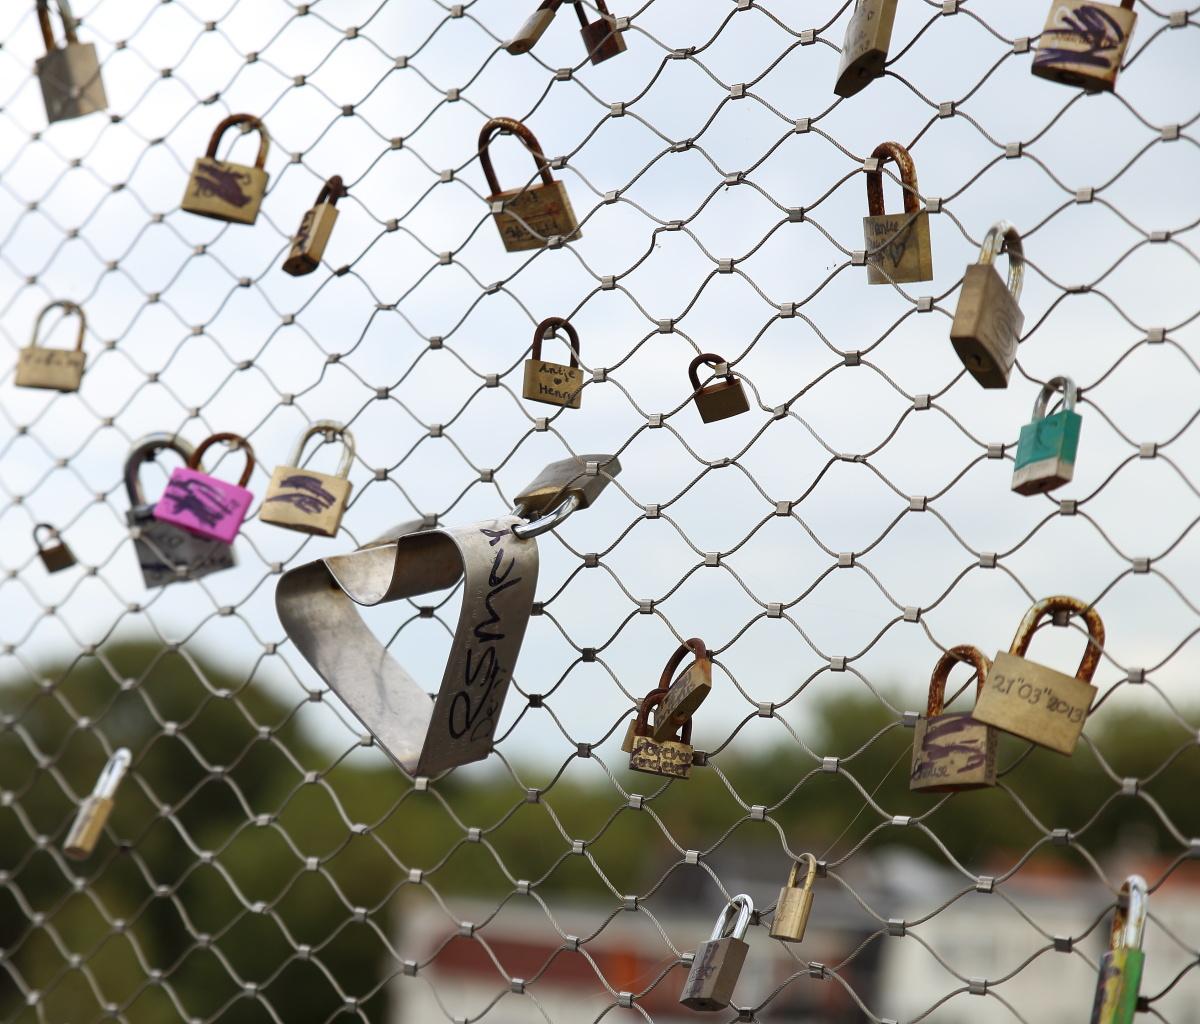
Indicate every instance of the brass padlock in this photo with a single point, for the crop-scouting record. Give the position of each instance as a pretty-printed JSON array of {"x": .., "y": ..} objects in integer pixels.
[
  {"x": 533, "y": 216},
  {"x": 1122, "y": 964},
  {"x": 55, "y": 554},
  {"x": 671, "y": 756},
  {"x": 308, "y": 244},
  {"x": 553, "y": 383},
  {"x": 865, "y": 48},
  {"x": 560, "y": 489},
  {"x": 687, "y": 692},
  {"x": 718, "y": 962},
  {"x": 59, "y": 369},
  {"x": 224, "y": 190},
  {"x": 534, "y": 27},
  {"x": 953, "y": 752},
  {"x": 305, "y": 500},
  {"x": 988, "y": 317},
  {"x": 898, "y": 246},
  {"x": 721, "y": 400},
  {"x": 795, "y": 904},
  {"x": 1034, "y": 702},
  {"x": 600, "y": 36},
  {"x": 94, "y": 811},
  {"x": 1084, "y": 43},
  {"x": 69, "y": 74}
]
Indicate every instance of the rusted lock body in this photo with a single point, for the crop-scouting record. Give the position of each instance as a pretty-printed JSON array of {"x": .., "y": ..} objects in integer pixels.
[
  {"x": 1083, "y": 44},
  {"x": 719, "y": 400},
  {"x": 55, "y": 554},
  {"x": 988, "y": 318},
  {"x": 794, "y": 906},
  {"x": 534, "y": 27},
  {"x": 224, "y": 190},
  {"x": 1122, "y": 964},
  {"x": 898, "y": 245},
  {"x": 687, "y": 692},
  {"x": 305, "y": 500},
  {"x": 202, "y": 504},
  {"x": 1048, "y": 445},
  {"x": 308, "y": 244},
  {"x": 553, "y": 383},
  {"x": 1037, "y": 703},
  {"x": 953, "y": 752},
  {"x": 69, "y": 74},
  {"x": 671, "y": 757},
  {"x": 865, "y": 48},
  {"x": 93, "y": 813},
  {"x": 561, "y": 489},
  {"x": 600, "y": 37},
  {"x": 718, "y": 962},
  {"x": 531, "y": 216},
  {"x": 56, "y": 369}
]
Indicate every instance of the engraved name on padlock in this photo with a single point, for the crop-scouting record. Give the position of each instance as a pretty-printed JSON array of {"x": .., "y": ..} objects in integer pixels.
[
  {"x": 600, "y": 37},
  {"x": 224, "y": 190},
  {"x": 57, "y": 369},
  {"x": 794, "y": 905},
  {"x": 898, "y": 245},
  {"x": 532, "y": 216},
  {"x": 953, "y": 752},
  {"x": 308, "y": 244},
  {"x": 1083, "y": 44},
  {"x": 303, "y": 499},
  {"x": 534, "y": 27},
  {"x": 54, "y": 553},
  {"x": 1048, "y": 445},
  {"x": 1122, "y": 964},
  {"x": 718, "y": 962},
  {"x": 988, "y": 318},
  {"x": 553, "y": 383},
  {"x": 202, "y": 504},
  {"x": 69, "y": 74},
  {"x": 1037, "y": 703},
  {"x": 93, "y": 812},
  {"x": 865, "y": 48},
  {"x": 671, "y": 756},
  {"x": 687, "y": 692},
  {"x": 722, "y": 398}
]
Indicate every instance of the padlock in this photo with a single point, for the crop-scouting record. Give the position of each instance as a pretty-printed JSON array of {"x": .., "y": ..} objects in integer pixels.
[
  {"x": 1084, "y": 43},
  {"x": 720, "y": 400},
  {"x": 687, "y": 692},
  {"x": 69, "y": 74},
  {"x": 94, "y": 811},
  {"x": 898, "y": 247},
  {"x": 794, "y": 905},
  {"x": 167, "y": 554},
  {"x": 953, "y": 752},
  {"x": 988, "y": 318},
  {"x": 1037, "y": 703},
  {"x": 55, "y": 554},
  {"x": 600, "y": 37},
  {"x": 672, "y": 756},
  {"x": 553, "y": 383},
  {"x": 1122, "y": 963},
  {"x": 305, "y": 500},
  {"x": 533, "y": 216},
  {"x": 1047, "y": 446},
  {"x": 865, "y": 48},
  {"x": 59, "y": 369},
  {"x": 560, "y": 489},
  {"x": 718, "y": 962},
  {"x": 308, "y": 244},
  {"x": 225, "y": 190},
  {"x": 535, "y": 25},
  {"x": 204, "y": 505}
]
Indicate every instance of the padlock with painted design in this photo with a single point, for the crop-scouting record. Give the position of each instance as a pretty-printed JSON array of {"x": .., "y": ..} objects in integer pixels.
[
  {"x": 308, "y": 245},
  {"x": 1122, "y": 964},
  {"x": 57, "y": 369},
  {"x": 69, "y": 74},
  {"x": 202, "y": 504},
  {"x": 953, "y": 752},
  {"x": 1084, "y": 43},
  {"x": 222, "y": 189},
  {"x": 553, "y": 383},
  {"x": 898, "y": 245},
  {"x": 1048, "y": 445},
  {"x": 988, "y": 318},
  {"x": 305, "y": 500},
  {"x": 671, "y": 756}
]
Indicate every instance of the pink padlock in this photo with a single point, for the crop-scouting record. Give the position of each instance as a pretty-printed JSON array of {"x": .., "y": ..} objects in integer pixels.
[{"x": 202, "y": 504}]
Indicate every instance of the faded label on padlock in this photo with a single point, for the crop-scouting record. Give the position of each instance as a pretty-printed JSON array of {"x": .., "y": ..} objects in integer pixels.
[
  {"x": 1088, "y": 37},
  {"x": 953, "y": 751},
  {"x": 668, "y": 758}
]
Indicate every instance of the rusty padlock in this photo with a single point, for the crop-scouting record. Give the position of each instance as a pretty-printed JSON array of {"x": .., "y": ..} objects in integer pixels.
[
  {"x": 794, "y": 905},
  {"x": 57, "y": 369},
  {"x": 55, "y": 554},
  {"x": 600, "y": 37},
  {"x": 533, "y": 29},
  {"x": 69, "y": 74},
  {"x": 224, "y": 190},
  {"x": 303, "y": 499},
  {"x": 671, "y": 756},
  {"x": 718, "y": 962},
  {"x": 1084, "y": 43},
  {"x": 953, "y": 752},
  {"x": 308, "y": 244},
  {"x": 687, "y": 692},
  {"x": 720, "y": 400},
  {"x": 898, "y": 245},
  {"x": 94, "y": 811},
  {"x": 553, "y": 383},
  {"x": 865, "y": 48},
  {"x": 988, "y": 318}
]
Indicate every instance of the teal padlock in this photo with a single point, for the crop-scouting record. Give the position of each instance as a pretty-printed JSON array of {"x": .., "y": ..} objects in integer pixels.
[
  {"x": 1047, "y": 446},
  {"x": 1121, "y": 966}
]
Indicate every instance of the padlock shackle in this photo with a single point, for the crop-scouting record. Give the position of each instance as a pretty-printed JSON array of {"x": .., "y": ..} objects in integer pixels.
[
  {"x": 809, "y": 878},
  {"x": 264, "y": 140},
  {"x": 331, "y": 429},
  {"x": 908, "y": 179},
  {"x": 641, "y": 727},
  {"x": 54, "y": 535},
  {"x": 550, "y": 325},
  {"x": 509, "y": 126},
  {"x": 331, "y": 191},
  {"x": 706, "y": 359},
  {"x": 1129, "y": 917},
  {"x": 1003, "y": 237},
  {"x": 1062, "y": 603},
  {"x": 693, "y": 646},
  {"x": 111, "y": 775},
  {"x": 68, "y": 22},
  {"x": 941, "y": 673},
  {"x": 68, "y": 307},
  {"x": 601, "y": 7},
  {"x": 236, "y": 441},
  {"x": 142, "y": 452},
  {"x": 1052, "y": 387},
  {"x": 743, "y": 905},
  {"x": 546, "y": 523}
]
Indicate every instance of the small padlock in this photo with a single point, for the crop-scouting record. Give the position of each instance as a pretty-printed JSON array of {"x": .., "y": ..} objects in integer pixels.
[
  {"x": 55, "y": 554},
  {"x": 1047, "y": 446},
  {"x": 1084, "y": 43},
  {"x": 672, "y": 756},
  {"x": 204, "y": 505},
  {"x": 94, "y": 811},
  {"x": 305, "y": 500},
  {"x": 865, "y": 48},
  {"x": 69, "y": 74},
  {"x": 58, "y": 369},
  {"x": 1122, "y": 963},
  {"x": 308, "y": 244},
  {"x": 718, "y": 962},
  {"x": 687, "y": 692},
  {"x": 533, "y": 216},
  {"x": 898, "y": 246},
  {"x": 553, "y": 383},
  {"x": 535, "y": 25},
  {"x": 988, "y": 318},
  {"x": 953, "y": 752},
  {"x": 721, "y": 400},
  {"x": 1037, "y": 703},
  {"x": 225, "y": 190},
  {"x": 600, "y": 36},
  {"x": 560, "y": 489},
  {"x": 794, "y": 904}
]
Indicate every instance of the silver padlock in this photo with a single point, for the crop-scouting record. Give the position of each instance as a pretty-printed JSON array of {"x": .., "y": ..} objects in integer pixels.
[
  {"x": 94, "y": 811},
  {"x": 718, "y": 962},
  {"x": 69, "y": 74}
]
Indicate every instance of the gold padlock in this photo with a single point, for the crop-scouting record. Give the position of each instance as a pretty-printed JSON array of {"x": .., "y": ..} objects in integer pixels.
[
  {"x": 308, "y": 244},
  {"x": 94, "y": 811},
  {"x": 1034, "y": 702},
  {"x": 687, "y": 692},
  {"x": 865, "y": 48},
  {"x": 55, "y": 554},
  {"x": 224, "y": 190},
  {"x": 670, "y": 756},
  {"x": 988, "y": 317},
  {"x": 534, "y": 27},
  {"x": 58, "y": 369},
  {"x": 1084, "y": 43},
  {"x": 553, "y": 383},
  {"x": 600, "y": 36},
  {"x": 70, "y": 74},
  {"x": 533, "y": 216},
  {"x": 305, "y": 500},
  {"x": 898, "y": 246},
  {"x": 721, "y": 400},
  {"x": 794, "y": 904},
  {"x": 953, "y": 752}
]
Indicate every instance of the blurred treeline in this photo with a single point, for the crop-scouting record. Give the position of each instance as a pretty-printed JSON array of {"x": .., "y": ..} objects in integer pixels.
[{"x": 247, "y": 867}]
